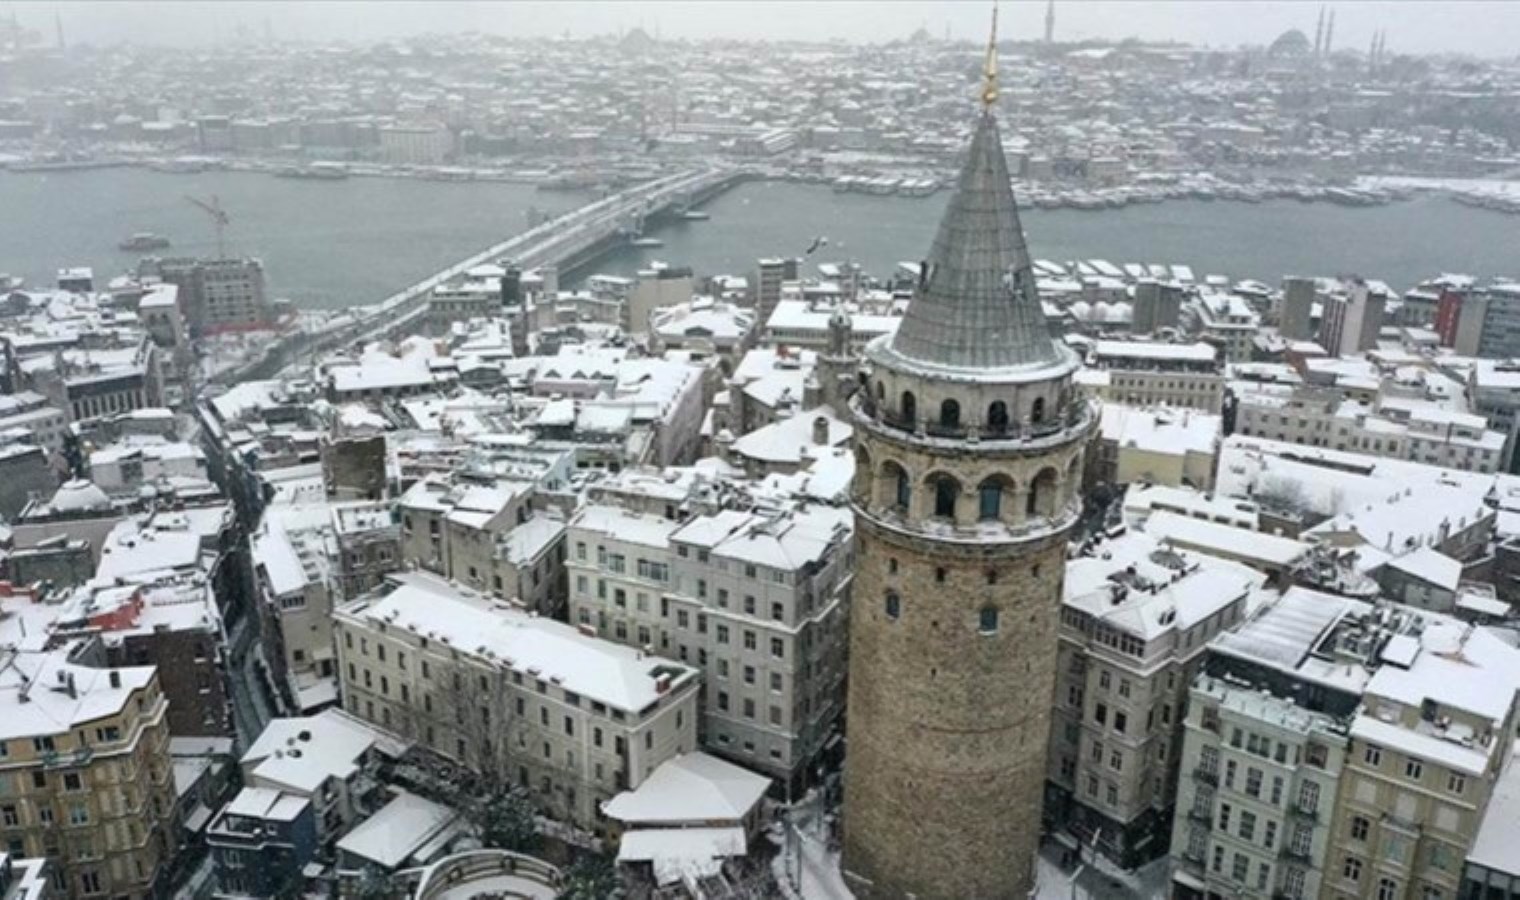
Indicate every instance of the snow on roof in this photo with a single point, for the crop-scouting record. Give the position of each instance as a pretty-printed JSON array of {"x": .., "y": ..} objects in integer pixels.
[
  {"x": 790, "y": 440},
  {"x": 1196, "y": 352},
  {"x": 1431, "y": 566},
  {"x": 1282, "y": 634},
  {"x": 333, "y": 744},
  {"x": 1499, "y": 832},
  {"x": 397, "y": 830},
  {"x": 268, "y": 804},
  {"x": 625, "y": 525},
  {"x": 1197, "y": 534},
  {"x": 690, "y": 788},
  {"x": 1469, "y": 760},
  {"x": 1459, "y": 666},
  {"x": 1162, "y": 430},
  {"x": 682, "y": 854},
  {"x": 622, "y": 677},
  {"x": 35, "y": 699},
  {"x": 525, "y": 542}
]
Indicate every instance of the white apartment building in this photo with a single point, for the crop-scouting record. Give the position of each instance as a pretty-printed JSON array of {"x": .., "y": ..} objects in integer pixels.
[
  {"x": 1326, "y": 417},
  {"x": 754, "y": 599},
  {"x": 570, "y": 717},
  {"x": 1135, "y": 620},
  {"x": 1146, "y": 373}
]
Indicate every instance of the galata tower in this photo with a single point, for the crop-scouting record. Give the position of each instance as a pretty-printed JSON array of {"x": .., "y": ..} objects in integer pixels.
[{"x": 969, "y": 440}]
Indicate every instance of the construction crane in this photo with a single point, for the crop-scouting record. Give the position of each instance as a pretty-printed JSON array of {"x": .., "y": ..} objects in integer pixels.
[{"x": 219, "y": 219}]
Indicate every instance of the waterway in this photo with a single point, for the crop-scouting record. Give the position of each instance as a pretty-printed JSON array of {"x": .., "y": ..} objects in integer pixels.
[
  {"x": 328, "y": 244},
  {"x": 1401, "y": 243},
  {"x": 325, "y": 244}
]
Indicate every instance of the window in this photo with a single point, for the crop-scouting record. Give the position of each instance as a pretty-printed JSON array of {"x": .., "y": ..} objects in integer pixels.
[
  {"x": 1455, "y": 783},
  {"x": 1351, "y": 870},
  {"x": 1388, "y": 889},
  {"x": 1121, "y": 721},
  {"x": 1293, "y": 883},
  {"x": 950, "y": 414},
  {"x": 1372, "y": 755},
  {"x": 1253, "y": 782},
  {"x": 1037, "y": 411},
  {"x": 909, "y": 409},
  {"x": 989, "y": 501},
  {"x": 1239, "y": 867},
  {"x": 778, "y": 648},
  {"x": 1359, "y": 827},
  {"x": 988, "y": 620},
  {"x": 1413, "y": 768},
  {"x": 945, "y": 494},
  {"x": 1308, "y": 796},
  {"x": 997, "y": 417},
  {"x": 904, "y": 490},
  {"x": 894, "y": 605},
  {"x": 1247, "y": 825}
]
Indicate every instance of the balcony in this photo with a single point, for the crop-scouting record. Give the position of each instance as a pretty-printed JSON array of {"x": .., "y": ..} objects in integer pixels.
[
  {"x": 1207, "y": 776},
  {"x": 1206, "y": 816},
  {"x": 1306, "y": 813},
  {"x": 1292, "y": 854}
]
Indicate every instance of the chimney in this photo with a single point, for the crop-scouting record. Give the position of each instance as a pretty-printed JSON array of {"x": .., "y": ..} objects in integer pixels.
[
  {"x": 821, "y": 431},
  {"x": 115, "y": 677},
  {"x": 661, "y": 684}
]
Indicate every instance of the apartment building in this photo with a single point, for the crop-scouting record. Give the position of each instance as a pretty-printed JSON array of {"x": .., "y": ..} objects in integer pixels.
[
  {"x": 1173, "y": 447},
  {"x": 1341, "y": 749},
  {"x": 1327, "y": 417},
  {"x": 1135, "y": 620},
  {"x": 1142, "y": 373},
  {"x": 1227, "y": 321},
  {"x": 84, "y": 763},
  {"x": 570, "y": 717},
  {"x": 756, "y": 600}
]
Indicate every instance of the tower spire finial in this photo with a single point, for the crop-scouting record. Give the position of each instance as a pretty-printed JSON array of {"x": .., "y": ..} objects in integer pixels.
[{"x": 989, "y": 71}]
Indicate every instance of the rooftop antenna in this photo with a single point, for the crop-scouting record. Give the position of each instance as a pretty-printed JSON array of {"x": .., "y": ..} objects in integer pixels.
[{"x": 989, "y": 71}]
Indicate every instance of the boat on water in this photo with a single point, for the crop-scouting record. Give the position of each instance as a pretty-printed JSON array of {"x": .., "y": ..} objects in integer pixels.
[
  {"x": 646, "y": 242},
  {"x": 315, "y": 172},
  {"x": 144, "y": 241},
  {"x": 695, "y": 215}
]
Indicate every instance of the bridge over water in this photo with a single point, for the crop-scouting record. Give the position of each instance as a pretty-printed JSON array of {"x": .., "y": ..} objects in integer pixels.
[{"x": 566, "y": 241}]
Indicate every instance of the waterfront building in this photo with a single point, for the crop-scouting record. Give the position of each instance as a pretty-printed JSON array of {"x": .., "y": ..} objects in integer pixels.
[
  {"x": 969, "y": 445},
  {"x": 1157, "y": 305},
  {"x": 1487, "y": 321},
  {"x": 569, "y": 717},
  {"x": 1227, "y": 321},
  {"x": 215, "y": 294},
  {"x": 771, "y": 274},
  {"x": 415, "y": 145},
  {"x": 1351, "y": 320},
  {"x": 1295, "y": 321},
  {"x": 656, "y": 289}
]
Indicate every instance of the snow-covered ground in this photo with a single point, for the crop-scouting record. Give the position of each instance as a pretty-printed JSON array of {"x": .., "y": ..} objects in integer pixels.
[{"x": 808, "y": 869}]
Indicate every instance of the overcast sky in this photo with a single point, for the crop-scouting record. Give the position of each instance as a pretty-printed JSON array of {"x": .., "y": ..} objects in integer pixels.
[{"x": 1483, "y": 28}]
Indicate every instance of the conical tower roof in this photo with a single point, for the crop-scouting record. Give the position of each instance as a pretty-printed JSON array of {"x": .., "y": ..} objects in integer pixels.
[{"x": 976, "y": 307}]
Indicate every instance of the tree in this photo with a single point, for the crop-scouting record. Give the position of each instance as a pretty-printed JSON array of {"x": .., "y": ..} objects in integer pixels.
[
  {"x": 506, "y": 821},
  {"x": 591, "y": 877}
]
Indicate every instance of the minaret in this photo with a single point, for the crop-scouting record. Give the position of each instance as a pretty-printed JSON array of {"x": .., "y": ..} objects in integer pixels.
[
  {"x": 1050, "y": 21},
  {"x": 1372, "y": 60},
  {"x": 969, "y": 439},
  {"x": 1319, "y": 34},
  {"x": 1330, "y": 33}
]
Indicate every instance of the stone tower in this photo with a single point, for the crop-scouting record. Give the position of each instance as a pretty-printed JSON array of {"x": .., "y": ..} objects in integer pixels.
[{"x": 969, "y": 443}]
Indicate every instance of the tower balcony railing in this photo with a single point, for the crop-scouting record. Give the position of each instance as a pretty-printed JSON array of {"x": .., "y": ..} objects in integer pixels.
[{"x": 1077, "y": 415}]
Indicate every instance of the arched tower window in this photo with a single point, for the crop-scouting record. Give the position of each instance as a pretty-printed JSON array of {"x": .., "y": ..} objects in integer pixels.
[
  {"x": 997, "y": 417},
  {"x": 989, "y": 500},
  {"x": 950, "y": 414},
  {"x": 1042, "y": 494},
  {"x": 987, "y": 620},
  {"x": 946, "y": 492},
  {"x": 904, "y": 490},
  {"x": 909, "y": 409},
  {"x": 1037, "y": 411},
  {"x": 893, "y": 606}
]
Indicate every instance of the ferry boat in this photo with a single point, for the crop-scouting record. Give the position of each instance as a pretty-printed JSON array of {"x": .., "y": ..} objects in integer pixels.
[
  {"x": 315, "y": 171},
  {"x": 695, "y": 215},
  {"x": 143, "y": 241},
  {"x": 646, "y": 242}
]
